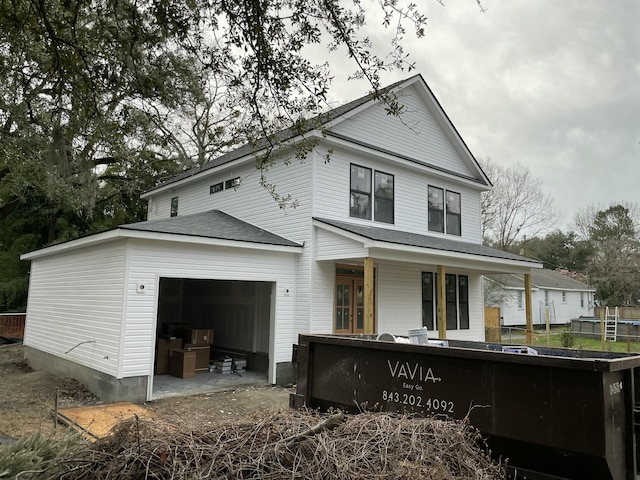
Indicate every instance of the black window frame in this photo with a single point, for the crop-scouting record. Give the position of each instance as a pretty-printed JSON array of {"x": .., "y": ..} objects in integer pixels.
[
  {"x": 232, "y": 183},
  {"x": 383, "y": 198},
  {"x": 173, "y": 212},
  {"x": 435, "y": 214},
  {"x": 457, "y": 300},
  {"x": 453, "y": 221},
  {"x": 357, "y": 191},
  {"x": 444, "y": 211},
  {"x": 216, "y": 187}
]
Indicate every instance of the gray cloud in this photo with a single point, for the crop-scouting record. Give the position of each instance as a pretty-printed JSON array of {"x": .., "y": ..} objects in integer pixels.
[{"x": 554, "y": 86}]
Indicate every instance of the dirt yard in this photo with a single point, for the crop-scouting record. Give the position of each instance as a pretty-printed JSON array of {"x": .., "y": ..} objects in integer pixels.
[{"x": 27, "y": 399}]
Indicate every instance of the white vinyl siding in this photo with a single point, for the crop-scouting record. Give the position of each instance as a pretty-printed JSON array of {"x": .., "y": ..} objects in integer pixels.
[
  {"x": 559, "y": 312},
  {"x": 332, "y": 187},
  {"x": 415, "y": 134},
  {"x": 77, "y": 297},
  {"x": 399, "y": 301}
]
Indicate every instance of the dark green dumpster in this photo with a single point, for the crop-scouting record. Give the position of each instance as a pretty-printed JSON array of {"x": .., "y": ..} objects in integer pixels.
[{"x": 552, "y": 413}]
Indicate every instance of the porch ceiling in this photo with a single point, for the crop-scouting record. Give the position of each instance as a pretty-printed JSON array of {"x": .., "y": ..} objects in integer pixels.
[{"x": 387, "y": 244}]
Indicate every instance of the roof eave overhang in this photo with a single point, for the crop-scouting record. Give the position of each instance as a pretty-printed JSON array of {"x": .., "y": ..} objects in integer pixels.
[
  {"x": 371, "y": 151},
  {"x": 407, "y": 253},
  {"x": 123, "y": 233}
]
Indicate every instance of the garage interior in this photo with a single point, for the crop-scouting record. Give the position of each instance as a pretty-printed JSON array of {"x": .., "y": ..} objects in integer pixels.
[{"x": 219, "y": 320}]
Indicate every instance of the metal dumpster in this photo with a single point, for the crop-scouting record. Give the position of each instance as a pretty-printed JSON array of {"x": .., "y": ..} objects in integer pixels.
[{"x": 556, "y": 414}]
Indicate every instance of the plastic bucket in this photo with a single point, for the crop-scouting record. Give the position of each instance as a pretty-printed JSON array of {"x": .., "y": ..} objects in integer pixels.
[{"x": 419, "y": 336}]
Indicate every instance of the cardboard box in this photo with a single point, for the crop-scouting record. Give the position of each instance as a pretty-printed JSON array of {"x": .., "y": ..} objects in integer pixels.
[
  {"x": 196, "y": 336},
  {"x": 164, "y": 346},
  {"x": 202, "y": 356},
  {"x": 182, "y": 363}
]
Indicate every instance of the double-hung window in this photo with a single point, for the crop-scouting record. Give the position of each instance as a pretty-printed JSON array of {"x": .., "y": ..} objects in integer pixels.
[
  {"x": 436, "y": 209},
  {"x": 174, "y": 207},
  {"x": 383, "y": 192},
  {"x": 363, "y": 182},
  {"x": 444, "y": 211}
]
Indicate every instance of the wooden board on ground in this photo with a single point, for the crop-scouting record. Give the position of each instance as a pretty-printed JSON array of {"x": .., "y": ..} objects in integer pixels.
[{"x": 96, "y": 421}]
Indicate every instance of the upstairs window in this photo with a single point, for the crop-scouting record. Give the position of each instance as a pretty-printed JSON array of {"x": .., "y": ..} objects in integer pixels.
[
  {"x": 218, "y": 187},
  {"x": 444, "y": 211},
  {"x": 520, "y": 299},
  {"x": 383, "y": 191},
  {"x": 174, "y": 207},
  {"x": 360, "y": 202},
  {"x": 232, "y": 183},
  {"x": 365, "y": 180},
  {"x": 436, "y": 209},
  {"x": 454, "y": 219}
]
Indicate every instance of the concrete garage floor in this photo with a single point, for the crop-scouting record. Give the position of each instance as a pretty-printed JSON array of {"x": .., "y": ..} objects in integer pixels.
[{"x": 169, "y": 386}]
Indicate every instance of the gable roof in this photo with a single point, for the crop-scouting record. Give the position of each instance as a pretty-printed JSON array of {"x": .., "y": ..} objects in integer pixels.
[
  {"x": 397, "y": 237},
  {"x": 212, "y": 224},
  {"x": 541, "y": 279},
  {"x": 320, "y": 121}
]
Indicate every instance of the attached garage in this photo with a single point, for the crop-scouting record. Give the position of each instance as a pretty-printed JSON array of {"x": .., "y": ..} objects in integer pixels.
[{"x": 98, "y": 305}]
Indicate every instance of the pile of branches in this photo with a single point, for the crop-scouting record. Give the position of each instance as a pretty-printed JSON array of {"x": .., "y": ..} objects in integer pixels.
[{"x": 289, "y": 444}]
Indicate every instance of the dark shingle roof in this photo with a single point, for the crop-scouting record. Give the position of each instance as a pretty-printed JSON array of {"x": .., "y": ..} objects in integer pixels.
[
  {"x": 425, "y": 241},
  {"x": 286, "y": 134},
  {"x": 542, "y": 279},
  {"x": 211, "y": 224}
]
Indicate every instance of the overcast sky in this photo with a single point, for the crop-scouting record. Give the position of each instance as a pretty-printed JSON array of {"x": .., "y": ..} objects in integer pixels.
[{"x": 552, "y": 85}]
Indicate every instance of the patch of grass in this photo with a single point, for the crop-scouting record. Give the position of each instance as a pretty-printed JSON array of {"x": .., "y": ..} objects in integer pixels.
[{"x": 29, "y": 455}]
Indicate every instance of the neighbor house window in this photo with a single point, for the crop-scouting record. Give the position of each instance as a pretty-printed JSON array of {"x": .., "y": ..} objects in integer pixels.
[
  {"x": 456, "y": 298},
  {"x": 564, "y": 297},
  {"x": 436, "y": 209},
  {"x": 360, "y": 201},
  {"x": 232, "y": 183},
  {"x": 581, "y": 300},
  {"x": 546, "y": 298},
  {"x": 520, "y": 299},
  {"x": 174, "y": 207},
  {"x": 383, "y": 197},
  {"x": 454, "y": 219},
  {"x": 218, "y": 187}
]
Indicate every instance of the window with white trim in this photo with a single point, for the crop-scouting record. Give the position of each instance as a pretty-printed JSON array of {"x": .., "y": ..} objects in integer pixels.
[
  {"x": 520, "y": 299},
  {"x": 174, "y": 207}
]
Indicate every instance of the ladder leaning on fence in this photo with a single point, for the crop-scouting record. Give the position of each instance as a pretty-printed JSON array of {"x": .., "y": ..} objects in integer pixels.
[{"x": 611, "y": 324}]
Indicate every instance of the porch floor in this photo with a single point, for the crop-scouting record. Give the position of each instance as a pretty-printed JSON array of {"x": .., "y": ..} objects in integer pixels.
[{"x": 169, "y": 386}]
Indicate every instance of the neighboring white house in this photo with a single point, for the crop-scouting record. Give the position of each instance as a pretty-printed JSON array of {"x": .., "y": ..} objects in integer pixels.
[
  {"x": 401, "y": 194},
  {"x": 553, "y": 294}
]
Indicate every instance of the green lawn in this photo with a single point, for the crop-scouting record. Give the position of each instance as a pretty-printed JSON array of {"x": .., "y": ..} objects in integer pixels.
[{"x": 560, "y": 337}]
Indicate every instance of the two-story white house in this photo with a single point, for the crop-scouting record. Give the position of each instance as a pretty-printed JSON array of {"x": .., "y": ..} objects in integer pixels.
[{"x": 397, "y": 203}]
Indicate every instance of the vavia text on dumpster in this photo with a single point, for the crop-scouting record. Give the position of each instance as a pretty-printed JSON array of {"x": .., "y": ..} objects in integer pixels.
[{"x": 414, "y": 378}]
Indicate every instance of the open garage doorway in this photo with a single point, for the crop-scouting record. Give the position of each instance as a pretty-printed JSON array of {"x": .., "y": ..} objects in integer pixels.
[{"x": 225, "y": 323}]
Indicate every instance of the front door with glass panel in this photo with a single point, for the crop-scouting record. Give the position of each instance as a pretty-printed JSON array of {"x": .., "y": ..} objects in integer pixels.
[{"x": 349, "y": 305}]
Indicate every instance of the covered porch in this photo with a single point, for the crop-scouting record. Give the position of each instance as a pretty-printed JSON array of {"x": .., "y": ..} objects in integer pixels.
[{"x": 403, "y": 280}]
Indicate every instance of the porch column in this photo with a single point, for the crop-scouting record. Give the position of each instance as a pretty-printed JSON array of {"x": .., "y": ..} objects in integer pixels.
[
  {"x": 369, "y": 322},
  {"x": 528, "y": 308},
  {"x": 441, "y": 301}
]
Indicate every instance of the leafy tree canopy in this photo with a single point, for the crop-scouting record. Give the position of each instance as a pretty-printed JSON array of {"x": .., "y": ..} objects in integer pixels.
[{"x": 102, "y": 99}]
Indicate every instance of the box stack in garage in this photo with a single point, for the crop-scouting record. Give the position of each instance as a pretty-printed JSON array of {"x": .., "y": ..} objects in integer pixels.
[{"x": 193, "y": 353}]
